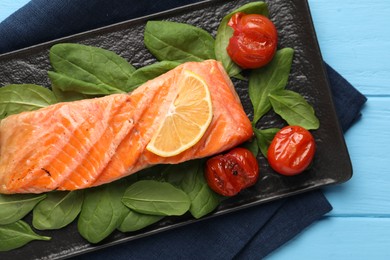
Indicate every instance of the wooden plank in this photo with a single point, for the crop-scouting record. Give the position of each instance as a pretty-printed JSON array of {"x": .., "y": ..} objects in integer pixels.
[
  {"x": 367, "y": 193},
  {"x": 340, "y": 238},
  {"x": 7, "y": 7},
  {"x": 354, "y": 39}
]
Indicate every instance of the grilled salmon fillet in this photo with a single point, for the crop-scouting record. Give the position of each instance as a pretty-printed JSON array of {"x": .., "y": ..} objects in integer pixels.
[{"x": 81, "y": 144}]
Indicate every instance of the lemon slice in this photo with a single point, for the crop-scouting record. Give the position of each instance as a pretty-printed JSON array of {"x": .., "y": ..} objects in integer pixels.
[{"x": 187, "y": 120}]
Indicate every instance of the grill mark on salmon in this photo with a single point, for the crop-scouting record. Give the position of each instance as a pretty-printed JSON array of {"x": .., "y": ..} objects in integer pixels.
[{"x": 87, "y": 143}]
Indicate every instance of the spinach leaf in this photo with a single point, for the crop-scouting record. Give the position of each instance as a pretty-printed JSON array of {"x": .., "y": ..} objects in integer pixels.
[
  {"x": 224, "y": 33},
  {"x": 149, "y": 72},
  {"x": 189, "y": 176},
  {"x": 134, "y": 221},
  {"x": 151, "y": 173},
  {"x": 88, "y": 70},
  {"x": 174, "y": 173},
  {"x": 102, "y": 211},
  {"x": 66, "y": 96},
  {"x": 156, "y": 198},
  {"x": 293, "y": 108},
  {"x": 267, "y": 79},
  {"x": 16, "y": 98},
  {"x": 17, "y": 234},
  {"x": 64, "y": 83},
  {"x": 58, "y": 209},
  {"x": 264, "y": 138},
  {"x": 16, "y": 206},
  {"x": 203, "y": 199},
  {"x": 252, "y": 145},
  {"x": 178, "y": 42}
]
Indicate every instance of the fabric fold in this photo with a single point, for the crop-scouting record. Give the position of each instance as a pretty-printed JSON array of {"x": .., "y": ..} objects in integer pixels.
[
  {"x": 44, "y": 20},
  {"x": 296, "y": 214},
  {"x": 348, "y": 101}
]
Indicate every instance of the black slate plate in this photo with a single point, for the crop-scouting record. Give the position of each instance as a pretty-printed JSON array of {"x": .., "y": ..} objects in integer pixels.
[{"x": 292, "y": 18}]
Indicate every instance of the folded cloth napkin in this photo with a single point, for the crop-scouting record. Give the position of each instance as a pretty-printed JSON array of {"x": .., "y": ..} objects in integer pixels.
[{"x": 247, "y": 234}]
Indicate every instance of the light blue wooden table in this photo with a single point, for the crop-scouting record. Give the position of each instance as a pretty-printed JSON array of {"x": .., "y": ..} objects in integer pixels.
[{"x": 354, "y": 37}]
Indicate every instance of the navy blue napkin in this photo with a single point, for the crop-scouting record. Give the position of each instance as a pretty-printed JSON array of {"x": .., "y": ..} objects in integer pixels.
[{"x": 247, "y": 234}]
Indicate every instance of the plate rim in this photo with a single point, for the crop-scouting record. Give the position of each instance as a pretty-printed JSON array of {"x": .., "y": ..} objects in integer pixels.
[{"x": 122, "y": 24}]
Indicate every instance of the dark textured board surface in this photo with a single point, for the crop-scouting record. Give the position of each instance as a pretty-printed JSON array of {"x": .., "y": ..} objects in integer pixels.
[{"x": 292, "y": 19}]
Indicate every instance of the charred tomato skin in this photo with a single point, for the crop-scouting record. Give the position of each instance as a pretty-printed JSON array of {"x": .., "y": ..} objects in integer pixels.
[
  {"x": 254, "y": 40},
  {"x": 291, "y": 150},
  {"x": 228, "y": 174}
]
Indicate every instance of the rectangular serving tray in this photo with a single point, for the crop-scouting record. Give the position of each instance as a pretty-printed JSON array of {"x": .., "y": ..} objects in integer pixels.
[{"x": 292, "y": 18}]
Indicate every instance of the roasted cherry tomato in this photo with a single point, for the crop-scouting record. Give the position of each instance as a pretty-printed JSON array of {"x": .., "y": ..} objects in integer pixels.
[
  {"x": 291, "y": 151},
  {"x": 254, "y": 40},
  {"x": 229, "y": 173}
]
